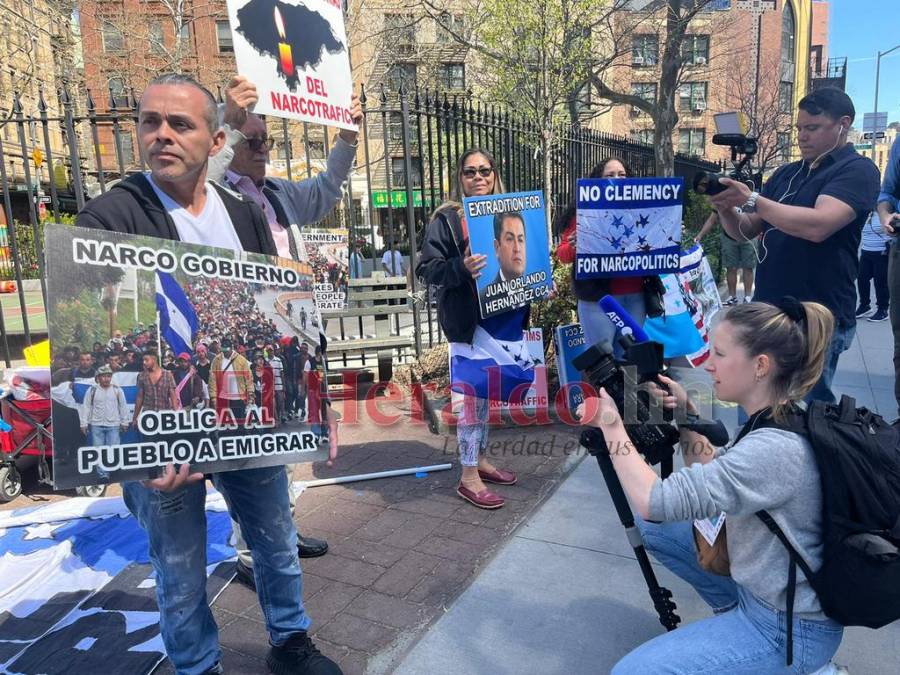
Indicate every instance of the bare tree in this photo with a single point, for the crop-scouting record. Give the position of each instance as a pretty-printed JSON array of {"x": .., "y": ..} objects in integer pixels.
[
  {"x": 669, "y": 21},
  {"x": 770, "y": 118}
]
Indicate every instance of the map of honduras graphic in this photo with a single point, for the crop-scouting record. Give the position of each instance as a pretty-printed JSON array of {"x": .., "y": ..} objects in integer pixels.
[{"x": 307, "y": 32}]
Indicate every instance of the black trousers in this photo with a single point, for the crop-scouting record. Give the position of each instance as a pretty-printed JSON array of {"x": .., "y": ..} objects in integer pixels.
[
  {"x": 894, "y": 286},
  {"x": 873, "y": 265}
]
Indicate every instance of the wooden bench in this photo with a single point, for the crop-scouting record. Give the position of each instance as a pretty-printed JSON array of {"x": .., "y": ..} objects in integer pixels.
[{"x": 370, "y": 297}]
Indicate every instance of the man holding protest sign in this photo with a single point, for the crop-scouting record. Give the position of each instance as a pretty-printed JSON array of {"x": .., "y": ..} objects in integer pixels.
[
  {"x": 178, "y": 132},
  {"x": 288, "y": 206}
]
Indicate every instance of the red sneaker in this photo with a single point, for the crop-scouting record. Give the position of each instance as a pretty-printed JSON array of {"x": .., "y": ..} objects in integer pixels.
[
  {"x": 483, "y": 500},
  {"x": 498, "y": 477}
]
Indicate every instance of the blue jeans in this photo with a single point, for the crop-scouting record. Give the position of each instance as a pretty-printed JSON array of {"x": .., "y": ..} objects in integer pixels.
[
  {"x": 749, "y": 638},
  {"x": 597, "y": 325},
  {"x": 104, "y": 435},
  {"x": 176, "y": 527},
  {"x": 840, "y": 342}
]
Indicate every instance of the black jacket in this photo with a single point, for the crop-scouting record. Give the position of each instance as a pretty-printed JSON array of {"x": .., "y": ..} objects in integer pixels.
[
  {"x": 132, "y": 207},
  {"x": 441, "y": 264}
]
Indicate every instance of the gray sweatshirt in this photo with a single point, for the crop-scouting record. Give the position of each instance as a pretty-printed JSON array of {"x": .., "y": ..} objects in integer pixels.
[{"x": 768, "y": 469}]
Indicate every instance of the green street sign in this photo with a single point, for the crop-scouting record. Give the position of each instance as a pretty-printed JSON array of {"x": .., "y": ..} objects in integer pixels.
[{"x": 398, "y": 199}]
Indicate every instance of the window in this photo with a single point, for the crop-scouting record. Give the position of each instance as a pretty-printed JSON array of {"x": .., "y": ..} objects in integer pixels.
[
  {"x": 644, "y": 90},
  {"x": 691, "y": 141},
  {"x": 581, "y": 99},
  {"x": 223, "y": 36},
  {"x": 783, "y": 141},
  {"x": 398, "y": 173},
  {"x": 395, "y": 127},
  {"x": 155, "y": 36},
  {"x": 185, "y": 34},
  {"x": 644, "y": 50},
  {"x": 316, "y": 149},
  {"x": 692, "y": 97},
  {"x": 785, "y": 97},
  {"x": 401, "y": 73},
  {"x": 453, "y": 75},
  {"x": 452, "y": 21},
  {"x": 117, "y": 92},
  {"x": 695, "y": 50},
  {"x": 400, "y": 29},
  {"x": 788, "y": 34},
  {"x": 112, "y": 38},
  {"x": 642, "y": 136}
]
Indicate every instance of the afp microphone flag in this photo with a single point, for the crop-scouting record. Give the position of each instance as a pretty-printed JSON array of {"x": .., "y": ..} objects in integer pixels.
[
  {"x": 177, "y": 318},
  {"x": 628, "y": 227}
]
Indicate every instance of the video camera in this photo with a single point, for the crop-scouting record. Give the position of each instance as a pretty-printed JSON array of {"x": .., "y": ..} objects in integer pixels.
[
  {"x": 655, "y": 438},
  {"x": 730, "y": 134}
]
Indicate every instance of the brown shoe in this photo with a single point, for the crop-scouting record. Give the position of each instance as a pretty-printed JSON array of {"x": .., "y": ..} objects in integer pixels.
[
  {"x": 483, "y": 500},
  {"x": 498, "y": 477}
]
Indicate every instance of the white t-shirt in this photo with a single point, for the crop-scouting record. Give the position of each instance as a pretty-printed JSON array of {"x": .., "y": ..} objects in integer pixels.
[
  {"x": 230, "y": 389},
  {"x": 213, "y": 227},
  {"x": 397, "y": 269}
]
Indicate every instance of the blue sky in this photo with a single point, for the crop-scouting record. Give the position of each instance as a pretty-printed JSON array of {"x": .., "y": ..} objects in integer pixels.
[{"x": 858, "y": 29}]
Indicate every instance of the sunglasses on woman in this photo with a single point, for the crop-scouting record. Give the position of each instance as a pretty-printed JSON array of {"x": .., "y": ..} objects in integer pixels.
[
  {"x": 483, "y": 171},
  {"x": 256, "y": 144}
]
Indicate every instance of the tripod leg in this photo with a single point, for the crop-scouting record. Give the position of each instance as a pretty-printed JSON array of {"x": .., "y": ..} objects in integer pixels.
[{"x": 662, "y": 597}]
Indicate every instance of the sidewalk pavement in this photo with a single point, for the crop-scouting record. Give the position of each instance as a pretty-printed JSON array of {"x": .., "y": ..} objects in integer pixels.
[{"x": 565, "y": 595}]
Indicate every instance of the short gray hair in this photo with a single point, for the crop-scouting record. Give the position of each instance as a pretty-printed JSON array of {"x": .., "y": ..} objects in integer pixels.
[{"x": 210, "y": 113}]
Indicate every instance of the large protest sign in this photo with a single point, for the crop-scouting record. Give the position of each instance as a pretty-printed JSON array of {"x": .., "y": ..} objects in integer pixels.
[
  {"x": 296, "y": 55},
  {"x": 216, "y": 416},
  {"x": 511, "y": 230},
  {"x": 628, "y": 226},
  {"x": 327, "y": 252}
]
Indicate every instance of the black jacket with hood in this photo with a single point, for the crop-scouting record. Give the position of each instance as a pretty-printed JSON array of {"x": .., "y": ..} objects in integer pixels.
[
  {"x": 441, "y": 264},
  {"x": 132, "y": 207}
]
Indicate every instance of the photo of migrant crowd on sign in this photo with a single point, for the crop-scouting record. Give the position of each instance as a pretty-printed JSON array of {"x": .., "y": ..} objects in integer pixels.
[
  {"x": 510, "y": 230},
  {"x": 165, "y": 352},
  {"x": 628, "y": 226},
  {"x": 327, "y": 253}
]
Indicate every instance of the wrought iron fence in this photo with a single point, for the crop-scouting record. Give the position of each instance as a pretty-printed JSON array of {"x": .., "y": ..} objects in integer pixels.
[{"x": 54, "y": 158}]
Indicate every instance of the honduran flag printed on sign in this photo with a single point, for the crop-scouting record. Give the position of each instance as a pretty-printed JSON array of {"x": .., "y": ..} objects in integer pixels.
[
  {"x": 177, "y": 318},
  {"x": 497, "y": 361}
]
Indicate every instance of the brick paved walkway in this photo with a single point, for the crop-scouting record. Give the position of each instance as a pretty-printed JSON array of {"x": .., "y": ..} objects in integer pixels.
[{"x": 401, "y": 549}]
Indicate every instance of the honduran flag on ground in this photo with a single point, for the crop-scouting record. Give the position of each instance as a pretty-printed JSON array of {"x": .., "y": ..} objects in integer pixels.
[
  {"x": 496, "y": 362},
  {"x": 177, "y": 318}
]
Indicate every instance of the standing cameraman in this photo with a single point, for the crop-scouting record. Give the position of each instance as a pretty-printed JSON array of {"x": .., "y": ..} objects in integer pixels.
[{"x": 810, "y": 214}]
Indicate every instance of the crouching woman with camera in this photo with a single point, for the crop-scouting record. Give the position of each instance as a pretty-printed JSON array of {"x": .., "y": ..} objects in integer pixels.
[{"x": 764, "y": 358}]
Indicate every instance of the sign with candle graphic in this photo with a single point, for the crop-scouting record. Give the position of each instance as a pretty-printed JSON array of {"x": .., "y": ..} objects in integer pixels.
[{"x": 296, "y": 55}]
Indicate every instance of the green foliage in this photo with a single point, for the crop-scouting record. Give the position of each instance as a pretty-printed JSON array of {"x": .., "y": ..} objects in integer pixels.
[
  {"x": 696, "y": 210},
  {"x": 80, "y": 320},
  {"x": 550, "y": 314},
  {"x": 26, "y": 249}
]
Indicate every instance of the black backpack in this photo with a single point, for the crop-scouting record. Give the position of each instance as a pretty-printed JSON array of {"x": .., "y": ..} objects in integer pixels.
[{"x": 858, "y": 458}]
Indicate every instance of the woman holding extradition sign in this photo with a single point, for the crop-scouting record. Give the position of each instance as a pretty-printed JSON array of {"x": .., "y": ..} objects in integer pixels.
[{"x": 447, "y": 261}]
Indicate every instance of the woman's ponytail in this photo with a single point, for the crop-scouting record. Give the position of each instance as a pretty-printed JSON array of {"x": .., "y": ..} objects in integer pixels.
[{"x": 795, "y": 335}]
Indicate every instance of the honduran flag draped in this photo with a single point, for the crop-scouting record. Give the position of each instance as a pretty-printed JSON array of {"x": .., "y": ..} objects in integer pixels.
[
  {"x": 177, "y": 318},
  {"x": 691, "y": 300},
  {"x": 125, "y": 380},
  {"x": 495, "y": 363}
]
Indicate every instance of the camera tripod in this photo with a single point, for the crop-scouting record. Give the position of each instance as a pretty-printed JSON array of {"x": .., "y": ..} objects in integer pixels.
[{"x": 661, "y": 596}]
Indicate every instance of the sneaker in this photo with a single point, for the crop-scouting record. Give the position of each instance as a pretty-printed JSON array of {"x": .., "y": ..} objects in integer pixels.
[
  {"x": 748, "y": 298},
  {"x": 731, "y": 301},
  {"x": 299, "y": 656},
  {"x": 880, "y": 315},
  {"x": 862, "y": 311}
]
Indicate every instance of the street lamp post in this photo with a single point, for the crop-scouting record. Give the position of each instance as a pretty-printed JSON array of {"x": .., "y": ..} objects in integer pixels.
[{"x": 877, "y": 77}]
